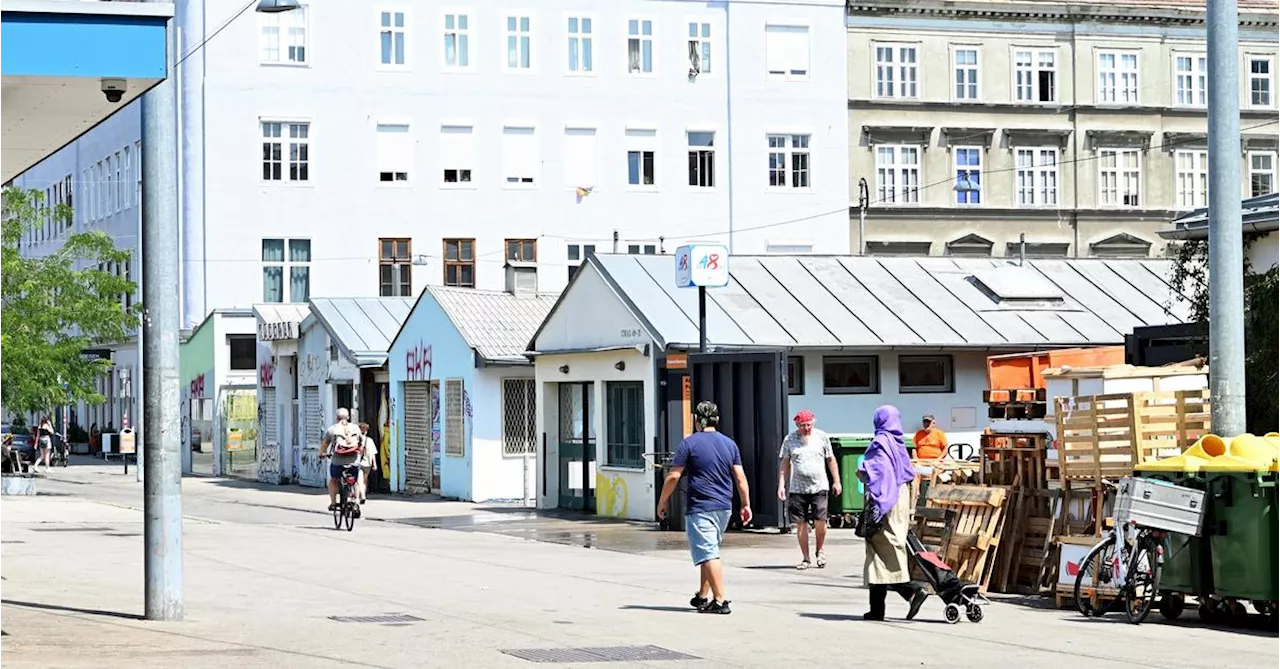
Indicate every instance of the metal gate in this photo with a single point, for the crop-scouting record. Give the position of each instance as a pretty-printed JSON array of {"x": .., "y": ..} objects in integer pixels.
[
  {"x": 417, "y": 436},
  {"x": 268, "y": 410},
  {"x": 751, "y": 391},
  {"x": 314, "y": 418}
]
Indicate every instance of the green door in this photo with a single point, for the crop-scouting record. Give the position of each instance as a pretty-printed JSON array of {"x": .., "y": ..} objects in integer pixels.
[{"x": 577, "y": 448}]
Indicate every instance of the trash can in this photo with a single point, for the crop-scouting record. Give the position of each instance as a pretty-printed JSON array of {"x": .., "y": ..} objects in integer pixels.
[
  {"x": 1187, "y": 566},
  {"x": 849, "y": 451},
  {"x": 1241, "y": 480}
]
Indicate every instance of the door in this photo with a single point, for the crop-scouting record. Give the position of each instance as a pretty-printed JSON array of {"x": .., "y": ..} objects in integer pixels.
[
  {"x": 751, "y": 391},
  {"x": 577, "y": 447},
  {"x": 417, "y": 436}
]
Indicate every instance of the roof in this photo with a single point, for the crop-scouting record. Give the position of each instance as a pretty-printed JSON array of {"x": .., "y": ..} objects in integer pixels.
[
  {"x": 275, "y": 312},
  {"x": 1257, "y": 214},
  {"x": 1093, "y": 6},
  {"x": 496, "y": 324},
  {"x": 880, "y": 302},
  {"x": 363, "y": 327}
]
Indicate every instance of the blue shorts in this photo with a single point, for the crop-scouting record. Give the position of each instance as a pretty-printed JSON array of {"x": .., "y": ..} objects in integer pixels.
[
  {"x": 335, "y": 471},
  {"x": 705, "y": 529}
]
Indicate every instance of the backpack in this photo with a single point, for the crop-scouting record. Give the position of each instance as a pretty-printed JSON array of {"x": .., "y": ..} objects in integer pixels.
[{"x": 347, "y": 443}]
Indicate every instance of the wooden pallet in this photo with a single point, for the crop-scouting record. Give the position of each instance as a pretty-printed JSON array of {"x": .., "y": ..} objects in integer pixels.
[
  {"x": 1103, "y": 437},
  {"x": 976, "y": 535},
  {"x": 1014, "y": 459}
]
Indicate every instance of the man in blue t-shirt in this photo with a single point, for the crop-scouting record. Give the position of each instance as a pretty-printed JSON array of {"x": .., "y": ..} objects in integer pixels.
[{"x": 713, "y": 463}]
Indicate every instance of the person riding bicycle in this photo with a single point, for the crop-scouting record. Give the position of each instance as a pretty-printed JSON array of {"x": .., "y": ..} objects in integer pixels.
[{"x": 344, "y": 445}]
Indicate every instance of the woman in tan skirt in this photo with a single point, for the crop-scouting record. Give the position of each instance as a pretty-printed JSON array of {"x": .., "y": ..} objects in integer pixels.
[{"x": 888, "y": 478}]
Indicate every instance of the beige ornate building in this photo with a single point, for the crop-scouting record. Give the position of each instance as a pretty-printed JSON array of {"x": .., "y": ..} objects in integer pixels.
[{"x": 1079, "y": 125}]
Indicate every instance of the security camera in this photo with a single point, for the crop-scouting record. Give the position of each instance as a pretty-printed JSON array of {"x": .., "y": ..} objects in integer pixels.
[{"x": 114, "y": 89}]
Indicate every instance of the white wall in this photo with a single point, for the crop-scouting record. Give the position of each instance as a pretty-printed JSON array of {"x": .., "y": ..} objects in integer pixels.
[{"x": 495, "y": 476}]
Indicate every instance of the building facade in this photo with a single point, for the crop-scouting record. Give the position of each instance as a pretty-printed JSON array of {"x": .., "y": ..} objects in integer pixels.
[{"x": 1081, "y": 126}]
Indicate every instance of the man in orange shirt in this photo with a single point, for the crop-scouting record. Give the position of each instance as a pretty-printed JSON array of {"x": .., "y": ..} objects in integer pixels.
[{"x": 931, "y": 442}]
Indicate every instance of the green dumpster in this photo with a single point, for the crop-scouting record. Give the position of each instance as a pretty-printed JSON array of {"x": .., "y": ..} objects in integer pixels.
[
  {"x": 1187, "y": 566},
  {"x": 1241, "y": 481},
  {"x": 849, "y": 450}
]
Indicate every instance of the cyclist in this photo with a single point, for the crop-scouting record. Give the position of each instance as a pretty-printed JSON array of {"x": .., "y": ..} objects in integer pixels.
[{"x": 343, "y": 443}]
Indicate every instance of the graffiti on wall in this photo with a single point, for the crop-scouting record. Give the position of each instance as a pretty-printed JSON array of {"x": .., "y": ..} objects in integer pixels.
[
  {"x": 611, "y": 496},
  {"x": 269, "y": 463},
  {"x": 197, "y": 387},
  {"x": 311, "y": 469},
  {"x": 417, "y": 363},
  {"x": 267, "y": 375}
]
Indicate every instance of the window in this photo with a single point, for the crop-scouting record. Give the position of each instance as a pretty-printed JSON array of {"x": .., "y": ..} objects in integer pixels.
[
  {"x": 850, "y": 375},
  {"x": 788, "y": 161},
  {"x": 925, "y": 374},
  {"x": 1191, "y": 80},
  {"x": 1035, "y": 75},
  {"x": 576, "y": 254},
  {"x": 395, "y": 268},
  {"x": 244, "y": 352},
  {"x": 391, "y": 39},
  {"x": 581, "y": 158},
  {"x": 457, "y": 153},
  {"x": 1118, "y": 77},
  {"x": 519, "y": 156},
  {"x": 1118, "y": 177},
  {"x": 1038, "y": 249},
  {"x": 968, "y": 188},
  {"x": 109, "y": 196},
  {"x": 624, "y": 413},
  {"x": 460, "y": 263},
  {"x": 640, "y": 46},
  {"x": 121, "y": 192},
  {"x": 273, "y": 137},
  {"x": 786, "y": 52},
  {"x": 647, "y": 249},
  {"x": 641, "y": 162},
  {"x": 1262, "y": 173},
  {"x": 898, "y": 174},
  {"x": 86, "y": 192},
  {"x": 518, "y": 45},
  {"x": 457, "y": 42},
  {"x": 519, "y": 417},
  {"x": 1036, "y": 174},
  {"x": 1192, "y": 177},
  {"x": 126, "y": 181},
  {"x": 275, "y": 266},
  {"x": 1260, "y": 81},
  {"x": 702, "y": 159},
  {"x": 965, "y": 61},
  {"x": 896, "y": 71},
  {"x": 580, "y": 59},
  {"x": 284, "y": 37},
  {"x": 455, "y": 418},
  {"x": 795, "y": 375},
  {"x": 699, "y": 48},
  {"x": 395, "y": 152},
  {"x": 522, "y": 250}
]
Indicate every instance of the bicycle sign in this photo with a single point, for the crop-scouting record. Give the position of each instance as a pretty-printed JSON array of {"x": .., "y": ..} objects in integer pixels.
[{"x": 702, "y": 265}]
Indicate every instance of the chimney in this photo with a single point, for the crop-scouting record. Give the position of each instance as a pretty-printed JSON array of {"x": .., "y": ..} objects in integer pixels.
[{"x": 522, "y": 278}]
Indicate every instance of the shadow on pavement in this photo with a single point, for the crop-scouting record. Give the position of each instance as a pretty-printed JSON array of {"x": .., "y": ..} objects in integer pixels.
[
  {"x": 663, "y": 609},
  {"x": 832, "y": 617},
  {"x": 70, "y": 609},
  {"x": 1255, "y": 625}
]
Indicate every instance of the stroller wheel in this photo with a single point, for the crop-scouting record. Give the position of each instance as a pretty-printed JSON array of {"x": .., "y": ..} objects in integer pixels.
[
  {"x": 952, "y": 613},
  {"x": 974, "y": 613}
]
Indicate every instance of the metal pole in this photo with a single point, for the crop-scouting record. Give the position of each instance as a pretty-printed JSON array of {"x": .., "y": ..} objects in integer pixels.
[
  {"x": 864, "y": 197},
  {"x": 1226, "y": 235},
  {"x": 162, "y": 484},
  {"x": 139, "y": 383},
  {"x": 702, "y": 319},
  {"x": 615, "y": 241}
]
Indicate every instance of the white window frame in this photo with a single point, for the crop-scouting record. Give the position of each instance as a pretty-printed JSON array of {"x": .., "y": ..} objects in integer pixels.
[
  {"x": 110, "y": 196},
  {"x": 588, "y": 176},
  {"x": 1249, "y": 77},
  {"x": 897, "y": 85},
  {"x": 1124, "y": 177},
  {"x": 394, "y": 152},
  {"x": 1197, "y": 79},
  {"x": 1033, "y": 69},
  {"x": 974, "y": 69},
  {"x": 121, "y": 191},
  {"x": 525, "y": 176},
  {"x": 641, "y": 38},
  {"x": 287, "y": 143},
  {"x": 702, "y": 44},
  {"x": 1274, "y": 172},
  {"x": 464, "y": 163},
  {"x": 127, "y": 182},
  {"x": 393, "y": 30},
  {"x": 519, "y": 35},
  {"x": 1190, "y": 179},
  {"x": 1123, "y": 84},
  {"x": 284, "y": 23},
  {"x": 584, "y": 38},
  {"x": 642, "y": 140},
  {"x": 286, "y": 266},
  {"x": 788, "y": 33},
  {"x": 1037, "y": 177},
  {"x": 691, "y": 148},
  {"x": 462, "y": 47},
  {"x": 969, "y": 170},
  {"x": 789, "y": 145},
  {"x": 907, "y": 177}
]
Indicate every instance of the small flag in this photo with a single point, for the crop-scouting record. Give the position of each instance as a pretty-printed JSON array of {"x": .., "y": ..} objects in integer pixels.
[{"x": 583, "y": 192}]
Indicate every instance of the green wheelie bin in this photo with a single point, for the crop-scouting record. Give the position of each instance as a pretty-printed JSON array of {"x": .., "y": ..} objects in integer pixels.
[
  {"x": 849, "y": 449},
  {"x": 1187, "y": 569},
  {"x": 1242, "y": 488}
]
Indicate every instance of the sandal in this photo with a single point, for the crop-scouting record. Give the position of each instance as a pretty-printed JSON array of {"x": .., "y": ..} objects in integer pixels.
[
  {"x": 822, "y": 560},
  {"x": 803, "y": 565}
]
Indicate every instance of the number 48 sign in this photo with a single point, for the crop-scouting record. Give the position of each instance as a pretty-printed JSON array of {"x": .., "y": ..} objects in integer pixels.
[{"x": 702, "y": 265}]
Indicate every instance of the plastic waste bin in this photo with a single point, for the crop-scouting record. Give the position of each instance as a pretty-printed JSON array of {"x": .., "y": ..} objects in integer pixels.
[
  {"x": 1241, "y": 479},
  {"x": 1187, "y": 566},
  {"x": 677, "y": 507},
  {"x": 849, "y": 451}
]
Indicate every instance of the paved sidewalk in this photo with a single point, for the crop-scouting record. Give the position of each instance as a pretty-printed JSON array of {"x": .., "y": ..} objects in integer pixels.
[{"x": 261, "y": 585}]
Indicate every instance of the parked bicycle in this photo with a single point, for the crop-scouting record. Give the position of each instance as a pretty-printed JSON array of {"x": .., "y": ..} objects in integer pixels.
[{"x": 348, "y": 502}]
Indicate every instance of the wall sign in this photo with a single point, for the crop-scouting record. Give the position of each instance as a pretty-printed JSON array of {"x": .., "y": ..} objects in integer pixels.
[
  {"x": 277, "y": 331},
  {"x": 702, "y": 265}
]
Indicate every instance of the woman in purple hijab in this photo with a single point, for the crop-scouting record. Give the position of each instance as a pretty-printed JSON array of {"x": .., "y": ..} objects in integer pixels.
[{"x": 889, "y": 479}]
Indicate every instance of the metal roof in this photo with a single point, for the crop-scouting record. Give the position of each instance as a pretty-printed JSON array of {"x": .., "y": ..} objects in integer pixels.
[
  {"x": 876, "y": 302},
  {"x": 1257, "y": 214},
  {"x": 496, "y": 324},
  {"x": 275, "y": 312},
  {"x": 363, "y": 327}
]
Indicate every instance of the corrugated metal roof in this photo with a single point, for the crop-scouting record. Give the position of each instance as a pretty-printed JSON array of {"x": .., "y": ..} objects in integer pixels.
[
  {"x": 1257, "y": 214},
  {"x": 829, "y": 301},
  {"x": 497, "y": 324},
  {"x": 274, "y": 312},
  {"x": 363, "y": 327}
]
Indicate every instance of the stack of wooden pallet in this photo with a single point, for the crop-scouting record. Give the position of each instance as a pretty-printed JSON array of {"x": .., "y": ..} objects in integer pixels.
[
  {"x": 1022, "y": 404},
  {"x": 962, "y": 524}
]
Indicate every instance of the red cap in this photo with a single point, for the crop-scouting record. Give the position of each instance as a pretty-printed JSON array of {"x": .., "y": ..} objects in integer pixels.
[{"x": 804, "y": 416}]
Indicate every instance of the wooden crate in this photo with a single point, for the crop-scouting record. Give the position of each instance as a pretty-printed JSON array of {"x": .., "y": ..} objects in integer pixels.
[
  {"x": 1013, "y": 459},
  {"x": 979, "y": 511}
]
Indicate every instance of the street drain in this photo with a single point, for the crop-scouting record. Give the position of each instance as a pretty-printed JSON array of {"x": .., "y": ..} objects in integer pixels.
[
  {"x": 401, "y": 618},
  {"x": 605, "y": 654},
  {"x": 12, "y": 541},
  {"x": 72, "y": 529}
]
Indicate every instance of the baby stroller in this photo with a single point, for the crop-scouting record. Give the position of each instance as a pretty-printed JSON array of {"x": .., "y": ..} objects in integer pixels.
[{"x": 953, "y": 591}]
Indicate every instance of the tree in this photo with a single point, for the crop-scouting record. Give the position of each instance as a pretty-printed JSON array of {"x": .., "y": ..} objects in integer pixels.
[{"x": 56, "y": 306}]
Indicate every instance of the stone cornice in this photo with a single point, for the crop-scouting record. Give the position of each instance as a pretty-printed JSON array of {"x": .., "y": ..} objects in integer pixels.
[{"x": 1064, "y": 11}]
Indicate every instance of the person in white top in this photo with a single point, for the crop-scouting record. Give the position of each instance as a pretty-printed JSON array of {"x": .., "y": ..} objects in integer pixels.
[{"x": 368, "y": 461}]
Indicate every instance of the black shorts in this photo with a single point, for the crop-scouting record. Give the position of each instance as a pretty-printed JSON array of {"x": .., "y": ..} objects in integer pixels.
[{"x": 807, "y": 507}]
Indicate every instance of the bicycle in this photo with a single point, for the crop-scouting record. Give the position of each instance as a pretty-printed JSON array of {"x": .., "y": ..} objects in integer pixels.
[
  {"x": 348, "y": 507},
  {"x": 1132, "y": 576}
]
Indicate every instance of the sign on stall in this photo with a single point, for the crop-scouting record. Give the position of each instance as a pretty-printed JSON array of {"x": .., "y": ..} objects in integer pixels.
[{"x": 702, "y": 265}]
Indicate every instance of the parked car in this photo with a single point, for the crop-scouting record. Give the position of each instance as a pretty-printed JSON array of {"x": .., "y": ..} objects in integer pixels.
[{"x": 22, "y": 446}]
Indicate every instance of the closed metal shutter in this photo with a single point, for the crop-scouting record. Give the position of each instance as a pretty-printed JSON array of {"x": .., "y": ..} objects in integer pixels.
[
  {"x": 417, "y": 436},
  {"x": 315, "y": 421},
  {"x": 268, "y": 409}
]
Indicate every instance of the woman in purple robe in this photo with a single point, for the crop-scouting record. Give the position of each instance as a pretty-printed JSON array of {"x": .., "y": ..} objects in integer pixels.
[{"x": 889, "y": 481}]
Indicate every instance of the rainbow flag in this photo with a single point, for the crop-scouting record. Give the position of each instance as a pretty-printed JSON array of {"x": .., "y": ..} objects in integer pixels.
[{"x": 583, "y": 192}]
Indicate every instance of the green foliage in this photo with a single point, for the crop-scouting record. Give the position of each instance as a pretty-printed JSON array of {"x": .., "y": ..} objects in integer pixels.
[{"x": 55, "y": 306}]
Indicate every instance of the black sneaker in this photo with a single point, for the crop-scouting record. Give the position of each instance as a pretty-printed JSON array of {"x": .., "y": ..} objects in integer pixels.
[
  {"x": 916, "y": 602},
  {"x": 333, "y": 506},
  {"x": 699, "y": 601},
  {"x": 721, "y": 608},
  {"x": 873, "y": 617}
]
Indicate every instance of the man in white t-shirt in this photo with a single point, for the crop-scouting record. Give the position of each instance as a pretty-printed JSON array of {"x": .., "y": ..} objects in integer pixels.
[
  {"x": 806, "y": 457},
  {"x": 338, "y": 436}
]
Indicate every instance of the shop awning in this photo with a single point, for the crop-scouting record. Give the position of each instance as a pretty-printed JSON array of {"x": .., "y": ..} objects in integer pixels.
[
  {"x": 363, "y": 327},
  {"x": 278, "y": 322}
]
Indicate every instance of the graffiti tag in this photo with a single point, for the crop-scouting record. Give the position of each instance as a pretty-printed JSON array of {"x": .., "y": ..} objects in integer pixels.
[
  {"x": 611, "y": 496},
  {"x": 267, "y": 375},
  {"x": 417, "y": 363},
  {"x": 269, "y": 463},
  {"x": 197, "y": 386}
]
